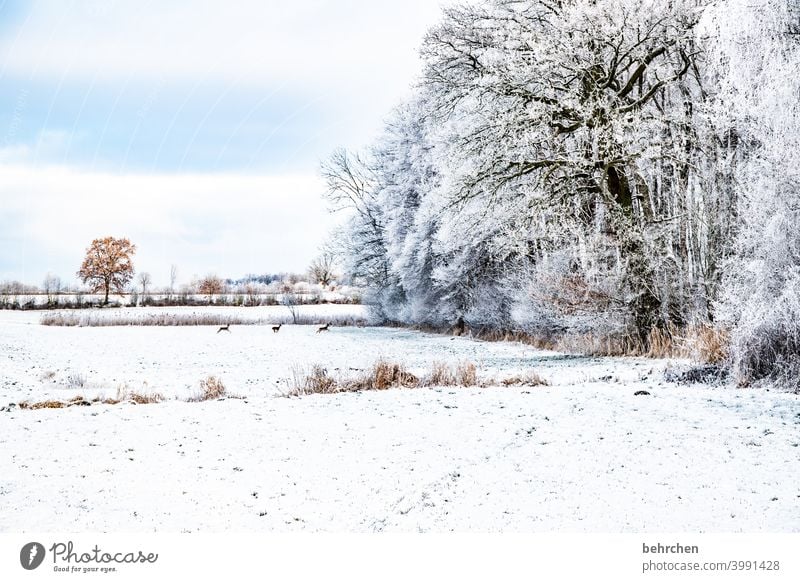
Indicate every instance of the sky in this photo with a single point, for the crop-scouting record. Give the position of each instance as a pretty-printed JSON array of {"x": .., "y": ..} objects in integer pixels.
[{"x": 195, "y": 128}]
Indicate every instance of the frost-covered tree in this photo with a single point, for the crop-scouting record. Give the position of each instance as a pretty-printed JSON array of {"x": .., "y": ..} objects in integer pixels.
[
  {"x": 585, "y": 167},
  {"x": 753, "y": 55},
  {"x": 562, "y": 113},
  {"x": 350, "y": 185}
]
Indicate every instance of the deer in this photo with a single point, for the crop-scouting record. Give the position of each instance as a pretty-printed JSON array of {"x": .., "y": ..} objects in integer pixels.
[
  {"x": 323, "y": 327},
  {"x": 225, "y": 328},
  {"x": 276, "y": 328}
]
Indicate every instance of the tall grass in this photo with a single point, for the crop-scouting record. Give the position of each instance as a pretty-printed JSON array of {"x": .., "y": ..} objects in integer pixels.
[
  {"x": 123, "y": 319},
  {"x": 703, "y": 343},
  {"x": 384, "y": 374}
]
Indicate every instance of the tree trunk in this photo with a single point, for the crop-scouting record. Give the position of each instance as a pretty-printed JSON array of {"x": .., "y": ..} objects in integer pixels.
[{"x": 645, "y": 306}]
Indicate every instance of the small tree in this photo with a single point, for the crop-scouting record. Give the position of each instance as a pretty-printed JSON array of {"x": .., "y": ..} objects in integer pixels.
[
  {"x": 290, "y": 300},
  {"x": 251, "y": 290},
  {"x": 144, "y": 281},
  {"x": 173, "y": 277},
  {"x": 51, "y": 287},
  {"x": 209, "y": 286},
  {"x": 321, "y": 269},
  {"x": 108, "y": 265}
]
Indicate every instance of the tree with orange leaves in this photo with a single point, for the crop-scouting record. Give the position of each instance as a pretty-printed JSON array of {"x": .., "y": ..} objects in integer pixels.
[{"x": 108, "y": 265}]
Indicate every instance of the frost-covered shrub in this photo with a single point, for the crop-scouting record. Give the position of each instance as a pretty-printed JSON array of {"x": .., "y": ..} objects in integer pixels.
[
  {"x": 766, "y": 342},
  {"x": 557, "y": 297}
]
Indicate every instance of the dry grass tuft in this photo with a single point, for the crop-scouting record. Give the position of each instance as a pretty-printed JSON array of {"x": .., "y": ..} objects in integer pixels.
[
  {"x": 386, "y": 375},
  {"x": 466, "y": 374},
  {"x": 137, "y": 398},
  {"x": 529, "y": 378},
  {"x": 211, "y": 388},
  {"x": 709, "y": 344},
  {"x": 462, "y": 374},
  {"x": 123, "y": 395},
  {"x": 383, "y": 375},
  {"x": 39, "y": 405},
  {"x": 440, "y": 375},
  {"x": 318, "y": 381}
]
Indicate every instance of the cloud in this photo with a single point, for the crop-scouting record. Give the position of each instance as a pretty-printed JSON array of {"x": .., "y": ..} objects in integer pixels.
[
  {"x": 147, "y": 100},
  {"x": 194, "y": 85},
  {"x": 316, "y": 42},
  {"x": 230, "y": 224}
]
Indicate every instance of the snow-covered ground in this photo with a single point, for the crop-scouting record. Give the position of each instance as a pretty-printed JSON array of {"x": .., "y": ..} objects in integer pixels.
[{"x": 583, "y": 454}]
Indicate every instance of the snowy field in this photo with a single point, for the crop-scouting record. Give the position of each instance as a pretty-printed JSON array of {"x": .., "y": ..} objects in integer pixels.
[{"x": 583, "y": 454}]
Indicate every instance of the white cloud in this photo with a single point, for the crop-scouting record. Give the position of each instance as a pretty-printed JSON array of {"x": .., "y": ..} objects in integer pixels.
[{"x": 225, "y": 223}]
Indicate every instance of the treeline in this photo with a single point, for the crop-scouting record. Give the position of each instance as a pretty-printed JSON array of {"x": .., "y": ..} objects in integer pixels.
[
  {"x": 624, "y": 170},
  {"x": 250, "y": 291}
]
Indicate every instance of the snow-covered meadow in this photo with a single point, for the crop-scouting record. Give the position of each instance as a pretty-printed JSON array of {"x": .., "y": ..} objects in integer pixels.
[{"x": 582, "y": 454}]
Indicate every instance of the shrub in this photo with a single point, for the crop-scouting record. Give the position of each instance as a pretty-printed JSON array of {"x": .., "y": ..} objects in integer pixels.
[
  {"x": 440, "y": 375},
  {"x": 76, "y": 380}
]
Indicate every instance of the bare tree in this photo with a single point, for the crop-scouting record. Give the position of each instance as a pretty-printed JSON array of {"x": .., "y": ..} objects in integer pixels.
[
  {"x": 51, "y": 287},
  {"x": 173, "y": 277},
  {"x": 144, "y": 281},
  {"x": 251, "y": 290},
  {"x": 321, "y": 269},
  {"x": 290, "y": 300},
  {"x": 351, "y": 184}
]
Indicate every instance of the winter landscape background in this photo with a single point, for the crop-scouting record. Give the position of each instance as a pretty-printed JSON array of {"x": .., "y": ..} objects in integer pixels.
[{"x": 520, "y": 265}]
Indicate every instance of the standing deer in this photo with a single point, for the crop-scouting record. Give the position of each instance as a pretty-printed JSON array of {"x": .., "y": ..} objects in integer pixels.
[
  {"x": 323, "y": 327},
  {"x": 225, "y": 328},
  {"x": 276, "y": 328}
]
